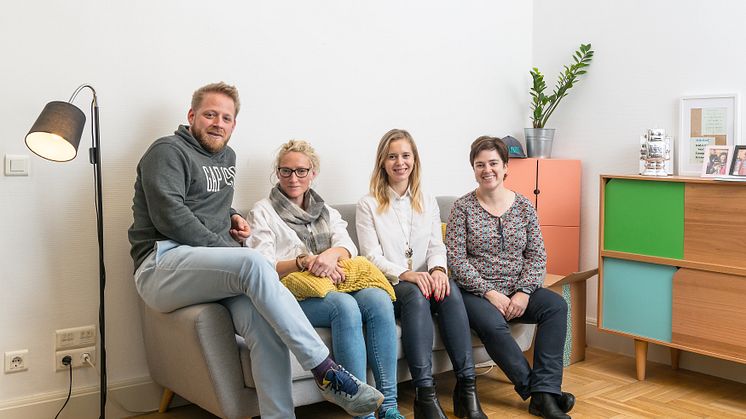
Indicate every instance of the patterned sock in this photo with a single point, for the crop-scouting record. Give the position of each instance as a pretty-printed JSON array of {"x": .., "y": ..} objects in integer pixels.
[{"x": 320, "y": 370}]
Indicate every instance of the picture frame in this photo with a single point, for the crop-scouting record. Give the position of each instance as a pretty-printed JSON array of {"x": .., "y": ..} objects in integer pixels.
[
  {"x": 738, "y": 163},
  {"x": 717, "y": 161},
  {"x": 705, "y": 120}
]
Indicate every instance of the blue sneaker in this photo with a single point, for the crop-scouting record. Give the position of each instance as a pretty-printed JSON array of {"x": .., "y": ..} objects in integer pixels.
[
  {"x": 343, "y": 389},
  {"x": 392, "y": 413}
]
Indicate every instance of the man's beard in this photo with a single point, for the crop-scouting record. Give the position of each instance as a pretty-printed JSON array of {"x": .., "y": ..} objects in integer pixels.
[{"x": 213, "y": 146}]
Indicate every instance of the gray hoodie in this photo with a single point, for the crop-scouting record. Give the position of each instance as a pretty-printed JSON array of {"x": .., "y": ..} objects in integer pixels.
[{"x": 182, "y": 193}]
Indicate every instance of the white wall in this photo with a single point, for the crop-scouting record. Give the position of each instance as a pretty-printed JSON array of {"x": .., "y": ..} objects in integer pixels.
[
  {"x": 336, "y": 72},
  {"x": 648, "y": 55}
]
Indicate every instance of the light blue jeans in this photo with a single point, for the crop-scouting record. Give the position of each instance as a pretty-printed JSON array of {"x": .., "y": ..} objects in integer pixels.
[
  {"x": 264, "y": 312},
  {"x": 346, "y": 314}
]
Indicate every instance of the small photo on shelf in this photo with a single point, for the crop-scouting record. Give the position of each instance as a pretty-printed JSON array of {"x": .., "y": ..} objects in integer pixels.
[
  {"x": 717, "y": 160},
  {"x": 738, "y": 165}
]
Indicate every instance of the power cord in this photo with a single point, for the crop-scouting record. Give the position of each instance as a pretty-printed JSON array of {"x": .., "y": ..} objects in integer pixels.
[
  {"x": 86, "y": 358},
  {"x": 67, "y": 360},
  {"x": 489, "y": 368}
]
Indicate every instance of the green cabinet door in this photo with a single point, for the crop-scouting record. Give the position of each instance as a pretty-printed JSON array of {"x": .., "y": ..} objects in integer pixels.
[{"x": 644, "y": 217}]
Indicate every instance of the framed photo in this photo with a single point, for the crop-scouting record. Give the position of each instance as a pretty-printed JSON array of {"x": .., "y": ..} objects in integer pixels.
[
  {"x": 738, "y": 165},
  {"x": 705, "y": 120},
  {"x": 717, "y": 160}
]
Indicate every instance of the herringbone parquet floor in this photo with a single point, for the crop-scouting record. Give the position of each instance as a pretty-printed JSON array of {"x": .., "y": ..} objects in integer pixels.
[{"x": 605, "y": 386}]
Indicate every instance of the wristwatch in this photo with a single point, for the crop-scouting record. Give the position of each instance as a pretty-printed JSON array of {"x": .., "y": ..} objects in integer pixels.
[{"x": 525, "y": 290}]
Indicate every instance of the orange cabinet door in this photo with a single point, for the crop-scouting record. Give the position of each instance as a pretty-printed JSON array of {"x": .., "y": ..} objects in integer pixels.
[
  {"x": 563, "y": 249},
  {"x": 558, "y": 202},
  {"x": 522, "y": 177}
]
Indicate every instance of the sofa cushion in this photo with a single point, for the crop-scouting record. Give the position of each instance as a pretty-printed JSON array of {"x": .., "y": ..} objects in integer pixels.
[{"x": 522, "y": 333}]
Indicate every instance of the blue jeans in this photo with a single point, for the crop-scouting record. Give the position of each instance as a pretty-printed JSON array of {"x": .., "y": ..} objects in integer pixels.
[
  {"x": 346, "y": 314},
  {"x": 548, "y": 311},
  {"x": 264, "y": 312},
  {"x": 416, "y": 314}
]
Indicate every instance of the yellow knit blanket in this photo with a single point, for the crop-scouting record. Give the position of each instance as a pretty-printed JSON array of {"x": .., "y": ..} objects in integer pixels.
[{"x": 359, "y": 271}]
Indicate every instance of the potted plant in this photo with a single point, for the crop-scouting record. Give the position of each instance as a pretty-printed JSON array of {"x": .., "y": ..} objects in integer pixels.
[{"x": 538, "y": 138}]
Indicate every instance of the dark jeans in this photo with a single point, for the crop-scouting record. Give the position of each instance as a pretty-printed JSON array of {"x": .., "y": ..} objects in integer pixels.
[
  {"x": 416, "y": 314},
  {"x": 548, "y": 311}
]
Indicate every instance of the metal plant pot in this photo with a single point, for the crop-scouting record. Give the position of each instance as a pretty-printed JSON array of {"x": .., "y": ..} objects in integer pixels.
[{"x": 539, "y": 142}]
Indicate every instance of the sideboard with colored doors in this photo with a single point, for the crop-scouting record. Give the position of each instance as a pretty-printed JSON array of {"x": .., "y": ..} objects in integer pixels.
[
  {"x": 672, "y": 265},
  {"x": 553, "y": 185}
]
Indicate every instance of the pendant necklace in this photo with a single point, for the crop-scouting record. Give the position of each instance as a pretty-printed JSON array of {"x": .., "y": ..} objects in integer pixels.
[{"x": 408, "y": 252}]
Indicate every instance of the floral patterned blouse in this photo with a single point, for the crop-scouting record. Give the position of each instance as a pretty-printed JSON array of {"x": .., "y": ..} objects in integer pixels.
[{"x": 486, "y": 252}]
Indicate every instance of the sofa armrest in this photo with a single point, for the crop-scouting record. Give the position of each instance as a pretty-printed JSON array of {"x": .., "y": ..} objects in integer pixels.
[{"x": 192, "y": 351}]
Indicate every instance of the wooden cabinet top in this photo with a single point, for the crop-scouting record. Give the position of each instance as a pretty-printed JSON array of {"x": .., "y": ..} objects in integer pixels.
[{"x": 683, "y": 179}]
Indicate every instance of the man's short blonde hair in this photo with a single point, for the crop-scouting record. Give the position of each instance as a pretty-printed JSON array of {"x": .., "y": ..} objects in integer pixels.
[{"x": 219, "y": 87}]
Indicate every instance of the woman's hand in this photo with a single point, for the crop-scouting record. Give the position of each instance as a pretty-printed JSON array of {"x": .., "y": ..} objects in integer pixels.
[
  {"x": 324, "y": 264},
  {"x": 500, "y": 301},
  {"x": 517, "y": 307},
  {"x": 422, "y": 279},
  {"x": 338, "y": 275},
  {"x": 442, "y": 287}
]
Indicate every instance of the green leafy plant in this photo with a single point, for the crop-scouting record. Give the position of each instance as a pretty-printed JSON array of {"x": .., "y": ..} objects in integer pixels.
[{"x": 542, "y": 106}]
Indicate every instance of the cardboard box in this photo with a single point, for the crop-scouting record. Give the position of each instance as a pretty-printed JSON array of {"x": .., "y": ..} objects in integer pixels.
[{"x": 572, "y": 289}]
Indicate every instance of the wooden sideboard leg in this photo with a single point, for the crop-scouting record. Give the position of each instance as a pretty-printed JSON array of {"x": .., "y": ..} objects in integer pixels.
[
  {"x": 641, "y": 357},
  {"x": 675, "y": 355},
  {"x": 168, "y": 395}
]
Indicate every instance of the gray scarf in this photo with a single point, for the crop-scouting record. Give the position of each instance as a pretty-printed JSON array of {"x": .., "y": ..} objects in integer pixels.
[{"x": 311, "y": 225}]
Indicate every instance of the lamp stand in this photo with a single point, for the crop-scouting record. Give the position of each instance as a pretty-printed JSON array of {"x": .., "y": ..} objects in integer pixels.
[
  {"x": 95, "y": 158},
  {"x": 94, "y": 154}
]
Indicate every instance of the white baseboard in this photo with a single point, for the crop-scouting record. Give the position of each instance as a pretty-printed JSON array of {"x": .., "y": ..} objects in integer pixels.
[
  {"x": 661, "y": 354},
  {"x": 137, "y": 395},
  {"x": 142, "y": 395}
]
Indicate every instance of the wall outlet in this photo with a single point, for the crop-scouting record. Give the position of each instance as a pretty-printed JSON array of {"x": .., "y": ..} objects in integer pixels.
[
  {"x": 77, "y": 357},
  {"x": 15, "y": 361},
  {"x": 75, "y": 337}
]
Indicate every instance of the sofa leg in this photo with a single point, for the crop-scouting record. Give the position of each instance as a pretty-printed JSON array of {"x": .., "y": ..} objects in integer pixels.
[{"x": 168, "y": 395}]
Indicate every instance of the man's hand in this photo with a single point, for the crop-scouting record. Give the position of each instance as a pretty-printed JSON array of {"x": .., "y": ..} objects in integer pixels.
[
  {"x": 499, "y": 300},
  {"x": 240, "y": 230}
]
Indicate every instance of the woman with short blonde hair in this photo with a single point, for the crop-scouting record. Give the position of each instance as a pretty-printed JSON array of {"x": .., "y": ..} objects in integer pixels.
[{"x": 297, "y": 232}]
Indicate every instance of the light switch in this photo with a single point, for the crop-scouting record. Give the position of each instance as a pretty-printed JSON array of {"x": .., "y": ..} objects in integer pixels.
[{"x": 16, "y": 165}]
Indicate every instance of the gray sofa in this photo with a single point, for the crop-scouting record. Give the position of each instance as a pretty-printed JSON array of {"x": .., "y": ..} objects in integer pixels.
[{"x": 194, "y": 352}]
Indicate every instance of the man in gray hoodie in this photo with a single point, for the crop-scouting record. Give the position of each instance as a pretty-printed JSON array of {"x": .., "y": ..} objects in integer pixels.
[{"x": 187, "y": 249}]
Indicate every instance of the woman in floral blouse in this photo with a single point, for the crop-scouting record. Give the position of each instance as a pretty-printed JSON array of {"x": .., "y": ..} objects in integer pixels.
[{"x": 496, "y": 256}]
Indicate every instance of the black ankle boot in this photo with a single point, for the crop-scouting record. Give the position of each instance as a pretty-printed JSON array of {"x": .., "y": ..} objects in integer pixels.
[
  {"x": 565, "y": 402},
  {"x": 426, "y": 405},
  {"x": 545, "y": 405},
  {"x": 465, "y": 399}
]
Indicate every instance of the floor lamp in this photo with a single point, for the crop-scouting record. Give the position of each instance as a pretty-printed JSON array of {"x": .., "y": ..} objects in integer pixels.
[{"x": 55, "y": 136}]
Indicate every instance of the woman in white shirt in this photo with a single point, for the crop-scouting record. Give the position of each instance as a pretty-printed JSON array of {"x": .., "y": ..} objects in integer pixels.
[
  {"x": 399, "y": 230},
  {"x": 297, "y": 231}
]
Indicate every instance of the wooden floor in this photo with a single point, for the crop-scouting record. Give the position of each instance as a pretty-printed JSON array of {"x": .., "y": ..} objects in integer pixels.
[{"x": 604, "y": 384}]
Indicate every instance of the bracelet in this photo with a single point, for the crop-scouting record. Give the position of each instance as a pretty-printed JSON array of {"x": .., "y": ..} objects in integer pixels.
[
  {"x": 299, "y": 262},
  {"x": 437, "y": 268}
]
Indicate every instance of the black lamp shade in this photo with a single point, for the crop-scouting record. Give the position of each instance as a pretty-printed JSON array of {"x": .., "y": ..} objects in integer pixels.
[{"x": 56, "y": 133}]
